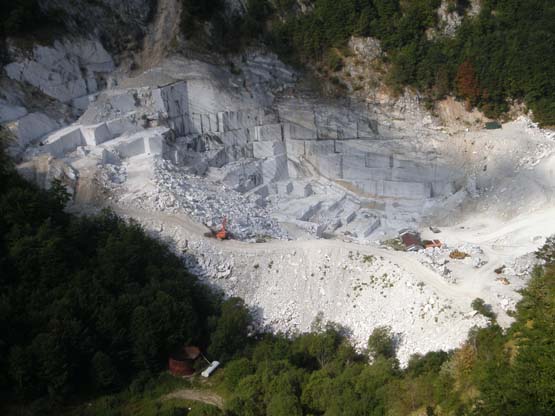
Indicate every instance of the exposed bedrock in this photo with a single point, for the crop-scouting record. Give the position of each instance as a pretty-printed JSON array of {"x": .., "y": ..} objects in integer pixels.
[
  {"x": 331, "y": 160},
  {"x": 68, "y": 71}
]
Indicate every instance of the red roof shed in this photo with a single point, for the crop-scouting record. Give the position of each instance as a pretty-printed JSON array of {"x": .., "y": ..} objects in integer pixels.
[{"x": 181, "y": 363}]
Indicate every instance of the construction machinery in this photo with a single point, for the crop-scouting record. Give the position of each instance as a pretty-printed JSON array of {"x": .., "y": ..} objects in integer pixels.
[{"x": 223, "y": 234}]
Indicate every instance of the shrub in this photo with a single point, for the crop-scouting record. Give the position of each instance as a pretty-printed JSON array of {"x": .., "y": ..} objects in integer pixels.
[
  {"x": 480, "y": 306},
  {"x": 381, "y": 343}
]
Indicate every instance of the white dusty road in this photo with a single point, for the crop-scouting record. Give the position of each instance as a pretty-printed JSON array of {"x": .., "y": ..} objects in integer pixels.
[{"x": 461, "y": 294}]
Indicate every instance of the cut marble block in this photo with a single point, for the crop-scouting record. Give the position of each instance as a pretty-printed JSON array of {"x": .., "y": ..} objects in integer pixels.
[
  {"x": 274, "y": 169},
  {"x": 119, "y": 126},
  {"x": 391, "y": 189},
  {"x": 296, "y": 132},
  {"x": 268, "y": 149},
  {"x": 96, "y": 134},
  {"x": 240, "y": 119},
  {"x": 235, "y": 137},
  {"x": 295, "y": 149},
  {"x": 131, "y": 146},
  {"x": 64, "y": 141},
  {"x": 270, "y": 132}
]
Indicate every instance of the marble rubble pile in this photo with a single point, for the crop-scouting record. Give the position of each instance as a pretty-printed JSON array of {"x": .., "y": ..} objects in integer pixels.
[
  {"x": 438, "y": 258},
  {"x": 209, "y": 202}
]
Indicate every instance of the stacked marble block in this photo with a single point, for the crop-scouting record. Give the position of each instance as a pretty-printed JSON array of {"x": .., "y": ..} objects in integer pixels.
[
  {"x": 117, "y": 135},
  {"x": 125, "y": 131},
  {"x": 248, "y": 142}
]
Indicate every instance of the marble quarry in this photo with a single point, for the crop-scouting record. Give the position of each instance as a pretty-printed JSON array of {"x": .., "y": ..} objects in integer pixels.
[
  {"x": 321, "y": 168},
  {"x": 186, "y": 143}
]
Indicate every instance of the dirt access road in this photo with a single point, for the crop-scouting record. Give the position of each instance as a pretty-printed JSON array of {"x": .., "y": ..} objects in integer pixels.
[
  {"x": 461, "y": 295},
  {"x": 204, "y": 396}
]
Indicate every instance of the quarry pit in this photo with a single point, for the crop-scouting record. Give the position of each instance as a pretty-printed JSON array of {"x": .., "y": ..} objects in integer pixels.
[{"x": 314, "y": 189}]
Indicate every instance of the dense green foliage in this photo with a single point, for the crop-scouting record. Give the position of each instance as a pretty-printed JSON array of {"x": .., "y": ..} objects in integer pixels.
[
  {"x": 87, "y": 303},
  {"x": 228, "y": 33},
  {"x": 149, "y": 399},
  {"x": 17, "y": 16},
  {"x": 23, "y": 16}
]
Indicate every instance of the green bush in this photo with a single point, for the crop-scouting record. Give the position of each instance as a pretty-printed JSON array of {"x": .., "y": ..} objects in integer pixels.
[
  {"x": 333, "y": 60},
  {"x": 381, "y": 343},
  {"x": 482, "y": 308},
  {"x": 202, "y": 409}
]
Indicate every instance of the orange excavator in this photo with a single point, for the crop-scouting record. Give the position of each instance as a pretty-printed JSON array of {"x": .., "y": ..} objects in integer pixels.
[{"x": 222, "y": 234}]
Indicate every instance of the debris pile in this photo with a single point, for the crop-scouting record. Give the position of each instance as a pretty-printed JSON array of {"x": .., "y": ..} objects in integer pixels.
[{"x": 209, "y": 202}]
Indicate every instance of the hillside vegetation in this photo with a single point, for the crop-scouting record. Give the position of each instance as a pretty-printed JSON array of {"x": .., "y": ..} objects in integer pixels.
[
  {"x": 493, "y": 373},
  {"x": 88, "y": 304},
  {"x": 502, "y": 54}
]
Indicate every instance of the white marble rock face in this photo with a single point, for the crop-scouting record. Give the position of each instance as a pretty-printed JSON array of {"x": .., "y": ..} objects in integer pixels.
[
  {"x": 31, "y": 127},
  {"x": 65, "y": 71},
  {"x": 197, "y": 116}
]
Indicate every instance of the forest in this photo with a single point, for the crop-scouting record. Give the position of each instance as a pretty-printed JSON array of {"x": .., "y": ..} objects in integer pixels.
[{"x": 89, "y": 304}]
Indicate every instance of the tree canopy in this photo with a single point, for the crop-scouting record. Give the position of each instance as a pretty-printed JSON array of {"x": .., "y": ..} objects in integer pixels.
[{"x": 88, "y": 303}]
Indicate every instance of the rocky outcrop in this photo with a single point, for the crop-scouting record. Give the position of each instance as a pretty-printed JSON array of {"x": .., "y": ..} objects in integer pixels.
[
  {"x": 68, "y": 71},
  {"x": 451, "y": 15}
]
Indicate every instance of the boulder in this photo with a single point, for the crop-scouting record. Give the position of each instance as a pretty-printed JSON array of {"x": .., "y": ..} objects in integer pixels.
[
  {"x": 9, "y": 112},
  {"x": 32, "y": 127}
]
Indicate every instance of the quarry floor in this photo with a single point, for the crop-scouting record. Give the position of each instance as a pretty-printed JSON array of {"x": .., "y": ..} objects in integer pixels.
[
  {"x": 279, "y": 279},
  {"x": 360, "y": 285}
]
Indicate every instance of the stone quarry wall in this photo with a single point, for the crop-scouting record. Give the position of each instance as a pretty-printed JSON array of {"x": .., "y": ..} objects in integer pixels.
[
  {"x": 346, "y": 147},
  {"x": 237, "y": 129}
]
